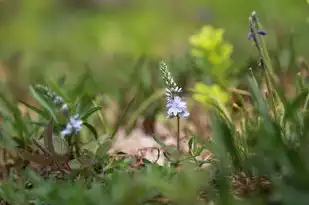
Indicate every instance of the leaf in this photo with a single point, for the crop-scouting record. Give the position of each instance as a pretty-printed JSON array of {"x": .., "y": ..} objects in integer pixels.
[
  {"x": 191, "y": 144},
  {"x": 37, "y": 110},
  {"x": 159, "y": 142},
  {"x": 146, "y": 161},
  {"x": 83, "y": 103},
  {"x": 205, "y": 94},
  {"x": 43, "y": 103},
  {"x": 90, "y": 112},
  {"x": 18, "y": 121},
  {"x": 225, "y": 141},
  {"x": 57, "y": 88},
  {"x": 91, "y": 129},
  {"x": 295, "y": 104},
  {"x": 41, "y": 124}
]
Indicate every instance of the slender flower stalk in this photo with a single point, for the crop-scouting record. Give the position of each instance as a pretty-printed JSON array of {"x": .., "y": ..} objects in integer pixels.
[
  {"x": 176, "y": 107},
  {"x": 255, "y": 33}
]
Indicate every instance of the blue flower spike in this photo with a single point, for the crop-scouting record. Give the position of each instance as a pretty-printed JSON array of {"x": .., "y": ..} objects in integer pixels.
[{"x": 176, "y": 107}]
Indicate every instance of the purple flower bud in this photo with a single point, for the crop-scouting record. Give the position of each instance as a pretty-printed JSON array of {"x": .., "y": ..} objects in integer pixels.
[
  {"x": 262, "y": 32},
  {"x": 250, "y": 35}
]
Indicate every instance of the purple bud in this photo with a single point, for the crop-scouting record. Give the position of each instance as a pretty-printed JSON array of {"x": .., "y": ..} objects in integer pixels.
[{"x": 262, "y": 32}]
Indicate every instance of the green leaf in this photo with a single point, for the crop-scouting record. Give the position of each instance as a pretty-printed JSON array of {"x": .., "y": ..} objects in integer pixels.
[
  {"x": 191, "y": 143},
  {"x": 146, "y": 161},
  {"x": 35, "y": 109},
  {"x": 91, "y": 129},
  {"x": 56, "y": 87},
  {"x": 159, "y": 142},
  {"x": 295, "y": 104},
  {"x": 90, "y": 112},
  {"x": 224, "y": 139},
  {"x": 18, "y": 120},
  {"x": 43, "y": 103}
]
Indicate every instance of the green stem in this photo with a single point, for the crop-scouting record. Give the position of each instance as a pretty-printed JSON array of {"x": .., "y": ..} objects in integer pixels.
[
  {"x": 178, "y": 134},
  {"x": 269, "y": 71},
  {"x": 306, "y": 102}
]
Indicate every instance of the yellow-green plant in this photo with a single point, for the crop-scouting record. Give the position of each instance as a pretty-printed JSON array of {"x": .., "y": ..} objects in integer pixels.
[
  {"x": 211, "y": 95},
  {"x": 210, "y": 49}
]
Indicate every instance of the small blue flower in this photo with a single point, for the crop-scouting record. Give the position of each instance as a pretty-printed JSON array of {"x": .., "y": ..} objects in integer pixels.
[
  {"x": 74, "y": 125},
  {"x": 177, "y": 107},
  {"x": 57, "y": 100},
  {"x": 64, "y": 108}
]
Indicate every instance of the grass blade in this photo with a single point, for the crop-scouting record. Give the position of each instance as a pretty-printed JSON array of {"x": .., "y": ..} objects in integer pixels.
[
  {"x": 35, "y": 109},
  {"x": 90, "y": 112}
]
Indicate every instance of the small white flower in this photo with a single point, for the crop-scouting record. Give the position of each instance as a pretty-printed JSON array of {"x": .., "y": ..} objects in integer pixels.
[{"x": 74, "y": 125}]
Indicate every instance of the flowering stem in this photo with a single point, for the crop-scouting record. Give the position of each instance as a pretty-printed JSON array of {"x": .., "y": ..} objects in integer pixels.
[
  {"x": 270, "y": 77},
  {"x": 178, "y": 133}
]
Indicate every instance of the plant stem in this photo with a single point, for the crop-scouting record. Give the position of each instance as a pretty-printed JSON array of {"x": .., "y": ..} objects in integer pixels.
[
  {"x": 306, "y": 102},
  {"x": 270, "y": 77},
  {"x": 178, "y": 134}
]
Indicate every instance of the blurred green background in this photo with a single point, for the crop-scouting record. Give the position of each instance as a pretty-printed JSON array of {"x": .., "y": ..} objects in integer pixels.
[{"x": 47, "y": 38}]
